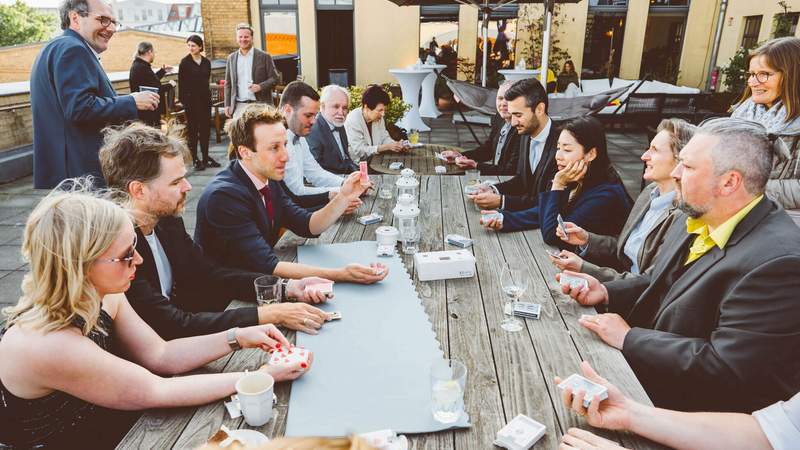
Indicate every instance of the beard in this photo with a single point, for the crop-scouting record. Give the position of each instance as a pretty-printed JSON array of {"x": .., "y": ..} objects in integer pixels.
[{"x": 695, "y": 212}]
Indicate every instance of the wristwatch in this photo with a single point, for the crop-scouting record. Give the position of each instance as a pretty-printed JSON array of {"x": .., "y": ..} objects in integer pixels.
[
  {"x": 232, "y": 339},
  {"x": 284, "y": 291}
]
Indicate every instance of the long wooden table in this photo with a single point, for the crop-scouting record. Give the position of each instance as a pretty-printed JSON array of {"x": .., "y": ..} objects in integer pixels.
[
  {"x": 509, "y": 373},
  {"x": 421, "y": 159}
]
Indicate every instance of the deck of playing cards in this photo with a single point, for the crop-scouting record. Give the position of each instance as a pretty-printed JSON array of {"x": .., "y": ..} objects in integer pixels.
[
  {"x": 485, "y": 218},
  {"x": 289, "y": 355},
  {"x": 458, "y": 240},
  {"x": 579, "y": 383},
  {"x": 561, "y": 224},
  {"x": 573, "y": 281},
  {"x": 440, "y": 169},
  {"x": 335, "y": 315},
  {"x": 324, "y": 287},
  {"x": 385, "y": 250},
  {"x": 527, "y": 310},
  {"x": 370, "y": 219},
  {"x": 520, "y": 434},
  {"x": 397, "y": 165},
  {"x": 471, "y": 189},
  {"x": 362, "y": 169}
]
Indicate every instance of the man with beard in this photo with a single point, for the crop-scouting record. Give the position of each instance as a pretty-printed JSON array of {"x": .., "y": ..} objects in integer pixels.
[
  {"x": 715, "y": 325},
  {"x": 178, "y": 291},
  {"x": 527, "y": 104},
  {"x": 328, "y": 140}
]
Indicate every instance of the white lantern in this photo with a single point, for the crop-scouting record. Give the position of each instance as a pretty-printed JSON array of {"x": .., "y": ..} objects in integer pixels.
[
  {"x": 407, "y": 184},
  {"x": 406, "y": 215}
]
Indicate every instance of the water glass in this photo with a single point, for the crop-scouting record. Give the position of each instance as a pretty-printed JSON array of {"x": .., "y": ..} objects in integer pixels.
[
  {"x": 473, "y": 177},
  {"x": 514, "y": 283},
  {"x": 410, "y": 240},
  {"x": 413, "y": 137},
  {"x": 386, "y": 190},
  {"x": 268, "y": 289},
  {"x": 448, "y": 379}
]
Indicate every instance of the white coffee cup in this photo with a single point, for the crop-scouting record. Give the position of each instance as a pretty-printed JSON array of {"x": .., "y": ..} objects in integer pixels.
[{"x": 255, "y": 396}]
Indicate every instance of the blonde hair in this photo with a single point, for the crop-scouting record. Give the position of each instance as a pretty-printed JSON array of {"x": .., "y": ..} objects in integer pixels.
[{"x": 64, "y": 235}]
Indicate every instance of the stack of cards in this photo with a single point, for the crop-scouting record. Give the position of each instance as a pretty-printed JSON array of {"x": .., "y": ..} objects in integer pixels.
[
  {"x": 324, "y": 287},
  {"x": 458, "y": 240},
  {"x": 370, "y": 219},
  {"x": 440, "y": 169},
  {"x": 573, "y": 281},
  {"x": 289, "y": 355},
  {"x": 485, "y": 218},
  {"x": 520, "y": 434},
  {"x": 579, "y": 383},
  {"x": 527, "y": 310},
  {"x": 561, "y": 224},
  {"x": 363, "y": 177},
  {"x": 440, "y": 156},
  {"x": 335, "y": 315},
  {"x": 385, "y": 250},
  {"x": 397, "y": 165}
]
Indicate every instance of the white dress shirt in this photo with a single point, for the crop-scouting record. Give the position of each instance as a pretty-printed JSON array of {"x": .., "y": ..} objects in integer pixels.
[
  {"x": 302, "y": 165},
  {"x": 244, "y": 76},
  {"x": 780, "y": 422},
  {"x": 162, "y": 264}
]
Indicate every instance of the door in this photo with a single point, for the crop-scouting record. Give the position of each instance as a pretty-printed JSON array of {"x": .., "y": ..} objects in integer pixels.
[{"x": 335, "y": 44}]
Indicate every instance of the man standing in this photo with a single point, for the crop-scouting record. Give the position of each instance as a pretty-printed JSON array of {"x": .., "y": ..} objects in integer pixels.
[
  {"x": 250, "y": 74},
  {"x": 141, "y": 74},
  {"x": 715, "y": 325},
  {"x": 242, "y": 211},
  {"x": 179, "y": 291},
  {"x": 536, "y": 166},
  {"x": 328, "y": 140},
  {"x": 72, "y": 98},
  {"x": 500, "y": 153}
]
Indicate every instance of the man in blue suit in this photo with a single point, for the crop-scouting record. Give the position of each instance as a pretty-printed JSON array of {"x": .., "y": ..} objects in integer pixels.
[
  {"x": 72, "y": 99},
  {"x": 242, "y": 211}
]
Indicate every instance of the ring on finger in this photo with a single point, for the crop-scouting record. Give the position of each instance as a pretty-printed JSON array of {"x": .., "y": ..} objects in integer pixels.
[{"x": 305, "y": 321}]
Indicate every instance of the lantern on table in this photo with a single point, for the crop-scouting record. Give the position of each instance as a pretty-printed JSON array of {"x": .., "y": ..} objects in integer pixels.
[
  {"x": 406, "y": 215},
  {"x": 407, "y": 184}
]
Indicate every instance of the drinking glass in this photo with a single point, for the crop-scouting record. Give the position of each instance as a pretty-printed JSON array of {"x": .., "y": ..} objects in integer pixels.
[
  {"x": 267, "y": 289},
  {"x": 472, "y": 177},
  {"x": 410, "y": 239},
  {"x": 514, "y": 282},
  {"x": 448, "y": 378},
  {"x": 413, "y": 137},
  {"x": 386, "y": 190}
]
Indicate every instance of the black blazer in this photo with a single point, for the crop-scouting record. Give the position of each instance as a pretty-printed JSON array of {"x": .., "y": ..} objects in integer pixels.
[
  {"x": 724, "y": 335},
  {"x": 232, "y": 222},
  {"x": 509, "y": 154},
  {"x": 141, "y": 74},
  {"x": 522, "y": 191},
  {"x": 201, "y": 289},
  {"x": 194, "y": 83},
  {"x": 325, "y": 150}
]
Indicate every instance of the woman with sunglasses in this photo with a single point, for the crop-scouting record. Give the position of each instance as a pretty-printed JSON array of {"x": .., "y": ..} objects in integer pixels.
[
  {"x": 74, "y": 351},
  {"x": 771, "y": 97}
]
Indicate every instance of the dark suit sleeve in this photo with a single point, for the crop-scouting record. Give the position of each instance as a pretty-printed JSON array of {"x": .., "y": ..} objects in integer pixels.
[
  {"x": 622, "y": 294},
  {"x": 757, "y": 327},
  {"x": 272, "y": 75},
  {"x": 160, "y": 74},
  {"x": 296, "y": 218},
  {"x": 485, "y": 151},
  {"x": 171, "y": 322},
  {"x": 228, "y": 101},
  {"x": 76, "y": 86},
  {"x": 591, "y": 211},
  {"x": 183, "y": 83}
]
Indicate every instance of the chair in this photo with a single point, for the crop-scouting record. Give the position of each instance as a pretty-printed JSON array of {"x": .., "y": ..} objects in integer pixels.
[{"x": 644, "y": 110}]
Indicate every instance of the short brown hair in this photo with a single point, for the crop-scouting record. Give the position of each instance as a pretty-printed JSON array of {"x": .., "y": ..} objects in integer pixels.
[
  {"x": 133, "y": 153},
  {"x": 244, "y": 26},
  {"x": 783, "y": 55},
  {"x": 241, "y": 130}
]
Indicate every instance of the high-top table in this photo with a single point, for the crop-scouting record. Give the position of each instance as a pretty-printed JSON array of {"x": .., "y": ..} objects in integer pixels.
[
  {"x": 508, "y": 373},
  {"x": 410, "y": 83},
  {"x": 518, "y": 74},
  {"x": 427, "y": 105}
]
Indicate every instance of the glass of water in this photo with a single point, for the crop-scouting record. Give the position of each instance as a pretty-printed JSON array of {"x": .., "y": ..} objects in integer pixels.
[
  {"x": 268, "y": 289},
  {"x": 410, "y": 240},
  {"x": 514, "y": 283},
  {"x": 473, "y": 177},
  {"x": 448, "y": 378},
  {"x": 386, "y": 190}
]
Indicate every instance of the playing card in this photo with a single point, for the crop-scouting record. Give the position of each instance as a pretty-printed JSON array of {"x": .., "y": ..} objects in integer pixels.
[
  {"x": 379, "y": 270},
  {"x": 521, "y": 433},
  {"x": 440, "y": 156},
  {"x": 587, "y": 316},
  {"x": 458, "y": 240},
  {"x": 370, "y": 219},
  {"x": 290, "y": 355},
  {"x": 471, "y": 189},
  {"x": 154, "y": 90},
  {"x": 554, "y": 253},
  {"x": 485, "y": 218},
  {"x": 573, "y": 281},
  {"x": 362, "y": 168},
  {"x": 385, "y": 250},
  {"x": 325, "y": 287},
  {"x": 527, "y": 310},
  {"x": 579, "y": 383},
  {"x": 440, "y": 169},
  {"x": 561, "y": 224},
  {"x": 397, "y": 165},
  {"x": 335, "y": 315}
]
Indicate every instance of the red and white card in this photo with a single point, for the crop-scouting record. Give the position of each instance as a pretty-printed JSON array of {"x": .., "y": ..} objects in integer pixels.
[{"x": 288, "y": 356}]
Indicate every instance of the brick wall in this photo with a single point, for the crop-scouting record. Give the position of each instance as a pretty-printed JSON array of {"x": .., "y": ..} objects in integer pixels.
[{"x": 220, "y": 18}]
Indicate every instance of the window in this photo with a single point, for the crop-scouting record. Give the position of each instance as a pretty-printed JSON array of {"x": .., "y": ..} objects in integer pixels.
[
  {"x": 784, "y": 24},
  {"x": 334, "y": 4},
  {"x": 280, "y": 2},
  {"x": 752, "y": 26},
  {"x": 149, "y": 13}
]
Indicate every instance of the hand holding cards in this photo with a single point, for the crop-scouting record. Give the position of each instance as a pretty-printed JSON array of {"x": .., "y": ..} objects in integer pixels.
[
  {"x": 561, "y": 224},
  {"x": 291, "y": 355},
  {"x": 577, "y": 383},
  {"x": 485, "y": 218},
  {"x": 325, "y": 288},
  {"x": 573, "y": 282}
]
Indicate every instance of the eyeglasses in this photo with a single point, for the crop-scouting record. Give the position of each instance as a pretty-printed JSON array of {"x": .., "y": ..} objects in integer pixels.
[
  {"x": 761, "y": 77},
  {"x": 128, "y": 258},
  {"x": 105, "y": 21}
]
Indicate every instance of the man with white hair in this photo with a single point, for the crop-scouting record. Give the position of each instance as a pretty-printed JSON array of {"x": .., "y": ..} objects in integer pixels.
[
  {"x": 499, "y": 154},
  {"x": 715, "y": 325},
  {"x": 328, "y": 140}
]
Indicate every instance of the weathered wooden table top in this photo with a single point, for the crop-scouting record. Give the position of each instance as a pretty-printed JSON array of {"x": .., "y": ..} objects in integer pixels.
[
  {"x": 421, "y": 159},
  {"x": 508, "y": 373}
]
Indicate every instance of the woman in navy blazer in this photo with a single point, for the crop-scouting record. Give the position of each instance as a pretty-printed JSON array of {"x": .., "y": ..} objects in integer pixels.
[{"x": 586, "y": 190}]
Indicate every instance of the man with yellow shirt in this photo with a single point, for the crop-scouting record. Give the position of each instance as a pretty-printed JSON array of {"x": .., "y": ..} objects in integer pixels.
[{"x": 715, "y": 325}]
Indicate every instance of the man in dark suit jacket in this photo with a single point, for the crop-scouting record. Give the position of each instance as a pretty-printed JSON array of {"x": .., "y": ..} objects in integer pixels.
[
  {"x": 179, "y": 291},
  {"x": 242, "y": 211},
  {"x": 536, "y": 164},
  {"x": 259, "y": 67},
  {"x": 141, "y": 74},
  {"x": 72, "y": 98},
  {"x": 328, "y": 140},
  {"x": 499, "y": 154},
  {"x": 716, "y": 325}
]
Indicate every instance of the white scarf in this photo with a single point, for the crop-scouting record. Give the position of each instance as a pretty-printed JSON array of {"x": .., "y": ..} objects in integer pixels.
[{"x": 773, "y": 119}]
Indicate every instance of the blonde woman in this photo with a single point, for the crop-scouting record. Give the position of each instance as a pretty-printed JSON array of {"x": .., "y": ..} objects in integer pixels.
[{"x": 73, "y": 345}]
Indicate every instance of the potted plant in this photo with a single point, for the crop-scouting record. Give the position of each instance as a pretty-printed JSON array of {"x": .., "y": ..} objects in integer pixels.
[{"x": 394, "y": 110}]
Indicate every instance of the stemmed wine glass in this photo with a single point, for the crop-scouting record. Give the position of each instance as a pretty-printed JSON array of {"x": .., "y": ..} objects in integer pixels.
[{"x": 514, "y": 283}]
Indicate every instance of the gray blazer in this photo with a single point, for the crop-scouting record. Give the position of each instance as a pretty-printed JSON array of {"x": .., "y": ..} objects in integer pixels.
[
  {"x": 723, "y": 333},
  {"x": 264, "y": 75},
  {"x": 605, "y": 257}
]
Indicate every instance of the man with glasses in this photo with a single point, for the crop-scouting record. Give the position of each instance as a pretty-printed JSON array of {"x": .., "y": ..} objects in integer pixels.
[{"x": 72, "y": 99}]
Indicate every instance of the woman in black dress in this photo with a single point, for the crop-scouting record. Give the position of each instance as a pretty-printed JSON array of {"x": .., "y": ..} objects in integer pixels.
[{"x": 194, "y": 76}]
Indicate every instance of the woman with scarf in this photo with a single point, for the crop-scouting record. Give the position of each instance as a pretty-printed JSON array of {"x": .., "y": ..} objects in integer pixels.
[{"x": 772, "y": 98}]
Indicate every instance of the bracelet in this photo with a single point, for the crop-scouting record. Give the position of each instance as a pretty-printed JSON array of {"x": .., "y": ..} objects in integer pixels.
[{"x": 283, "y": 292}]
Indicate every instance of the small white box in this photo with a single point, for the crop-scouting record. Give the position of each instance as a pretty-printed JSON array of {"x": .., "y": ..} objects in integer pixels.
[{"x": 444, "y": 265}]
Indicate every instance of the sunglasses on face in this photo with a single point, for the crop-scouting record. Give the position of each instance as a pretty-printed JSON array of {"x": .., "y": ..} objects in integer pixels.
[{"x": 128, "y": 258}]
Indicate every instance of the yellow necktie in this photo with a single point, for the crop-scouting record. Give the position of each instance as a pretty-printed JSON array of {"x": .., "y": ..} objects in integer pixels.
[{"x": 701, "y": 245}]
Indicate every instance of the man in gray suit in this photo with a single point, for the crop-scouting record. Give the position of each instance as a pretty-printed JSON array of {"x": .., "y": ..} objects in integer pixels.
[
  {"x": 716, "y": 325},
  {"x": 250, "y": 74},
  {"x": 328, "y": 140}
]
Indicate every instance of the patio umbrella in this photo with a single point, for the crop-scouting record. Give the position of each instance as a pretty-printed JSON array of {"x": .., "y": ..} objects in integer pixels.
[{"x": 486, "y": 7}]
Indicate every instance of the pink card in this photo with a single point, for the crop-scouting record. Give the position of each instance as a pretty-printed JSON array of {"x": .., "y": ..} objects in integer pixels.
[
  {"x": 362, "y": 168},
  {"x": 289, "y": 356}
]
